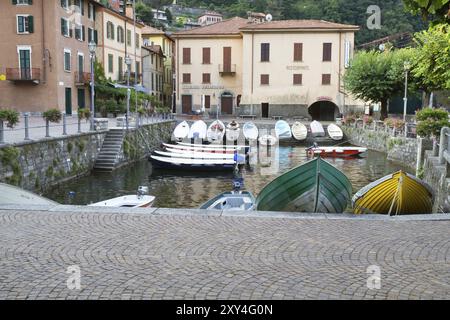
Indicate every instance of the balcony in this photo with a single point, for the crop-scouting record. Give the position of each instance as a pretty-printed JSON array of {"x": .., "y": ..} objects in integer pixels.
[
  {"x": 82, "y": 78},
  {"x": 225, "y": 70},
  {"x": 123, "y": 78},
  {"x": 23, "y": 75}
]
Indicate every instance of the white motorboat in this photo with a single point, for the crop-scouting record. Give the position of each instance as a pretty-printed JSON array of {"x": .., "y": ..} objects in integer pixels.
[
  {"x": 283, "y": 130},
  {"x": 231, "y": 201},
  {"x": 251, "y": 131},
  {"x": 317, "y": 129},
  {"x": 181, "y": 131},
  {"x": 335, "y": 132},
  {"x": 174, "y": 153},
  {"x": 196, "y": 148},
  {"x": 216, "y": 131},
  {"x": 299, "y": 131},
  {"x": 139, "y": 200},
  {"x": 198, "y": 130}
]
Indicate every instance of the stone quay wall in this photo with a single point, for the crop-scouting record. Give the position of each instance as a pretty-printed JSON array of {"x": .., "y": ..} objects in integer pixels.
[
  {"x": 38, "y": 165},
  {"x": 438, "y": 177}
]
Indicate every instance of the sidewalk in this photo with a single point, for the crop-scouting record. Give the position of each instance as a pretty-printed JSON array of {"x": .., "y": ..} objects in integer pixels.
[{"x": 37, "y": 128}]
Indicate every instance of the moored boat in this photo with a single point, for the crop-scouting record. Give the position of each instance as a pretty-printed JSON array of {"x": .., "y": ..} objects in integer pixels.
[
  {"x": 337, "y": 152},
  {"x": 197, "y": 148},
  {"x": 250, "y": 131},
  {"x": 335, "y": 132},
  {"x": 194, "y": 155},
  {"x": 181, "y": 131},
  {"x": 233, "y": 131},
  {"x": 198, "y": 130},
  {"x": 317, "y": 129},
  {"x": 192, "y": 164},
  {"x": 139, "y": 200},
  {"x": 283, "y": 130},
  {"x": 315, "y": 186},
  {"x": 299, "y": 131},
  {"x": 231, "y": 201},
  {"x": 399, "y": 193},
  {"x": 216, "y": 131}
]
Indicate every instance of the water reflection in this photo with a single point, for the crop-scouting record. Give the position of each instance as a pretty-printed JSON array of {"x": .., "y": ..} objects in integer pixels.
[{"x": 191, "y": 189}]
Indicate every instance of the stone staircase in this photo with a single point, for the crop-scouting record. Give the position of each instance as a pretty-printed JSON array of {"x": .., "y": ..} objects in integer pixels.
[{"x": 112, "y": 145}]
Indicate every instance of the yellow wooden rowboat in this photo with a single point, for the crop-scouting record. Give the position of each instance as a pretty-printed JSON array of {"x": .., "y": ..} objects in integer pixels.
[{"x": 396, "y": 194}]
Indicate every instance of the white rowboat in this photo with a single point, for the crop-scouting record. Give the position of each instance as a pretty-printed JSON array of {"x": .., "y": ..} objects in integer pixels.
[
  {"x": 299, "y": 131},
  {"x": 196, "y": 155},
  {"x": 198, "y": 130},
  {"x": 283, "y": 130},
  {"x": 181, "y": 131},
  {"x": 216, "y": 131},
  {"x": 317, "y": 129},
  {"x": 251, "y": 131},
  {"x": 335, "y": 132}
]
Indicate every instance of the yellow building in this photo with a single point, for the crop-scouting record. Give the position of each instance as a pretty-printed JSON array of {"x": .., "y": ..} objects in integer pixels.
[
  {"x": 117, "y": 39},
  {"x": 155, "y": 37},
  {"x": 290, "y": 68}
]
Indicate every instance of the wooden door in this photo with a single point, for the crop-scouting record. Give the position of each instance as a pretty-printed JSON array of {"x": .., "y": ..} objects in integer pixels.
[
  {"x": 227, "y": 105},
  {"x": 186, "y": 104},
  {"x": 227, "y": 59},
  {"x": 265, "y": 110}
]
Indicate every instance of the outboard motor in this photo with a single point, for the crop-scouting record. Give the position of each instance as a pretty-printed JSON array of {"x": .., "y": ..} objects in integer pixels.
[
  {"x": 142, "y": 191},
  {"x": 238, "y": 184}
]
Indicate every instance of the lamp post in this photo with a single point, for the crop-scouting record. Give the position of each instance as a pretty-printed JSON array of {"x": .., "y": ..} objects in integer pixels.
[
  {"x": 128, "y": 63},
  {"x": 92, "y": 48},
  {"x": 406, "y": 67}
]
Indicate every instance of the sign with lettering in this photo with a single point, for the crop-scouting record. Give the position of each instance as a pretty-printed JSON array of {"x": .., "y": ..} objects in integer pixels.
[
  {"x": 324, "y": 99},
  {"x": 204, "y": 87},
  {"x": 297, "y": 67}
]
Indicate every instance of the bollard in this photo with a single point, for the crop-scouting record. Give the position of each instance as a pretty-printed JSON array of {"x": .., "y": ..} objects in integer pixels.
[
  {"x": 64, "y": 124},
  {"x": 47, "y": 129},
  {"x": 79, "y": 125},
  {"x": 2, "y": 136},
  {"x": 27, "y": 128}
]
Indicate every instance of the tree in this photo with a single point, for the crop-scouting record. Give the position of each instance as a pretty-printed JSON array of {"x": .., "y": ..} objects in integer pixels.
[
  {"x": 431, "y": 121},
  {"x": 376, "y": 76},
  {"x": 435, "y": 10},
  {"x": 432, "y": 61},
  {"x": 144, "y": 12},
  {"x": 169, "y": 16}
]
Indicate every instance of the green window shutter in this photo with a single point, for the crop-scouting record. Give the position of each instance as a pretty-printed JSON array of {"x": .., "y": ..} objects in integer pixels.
[
  {"x": 82, "y": 7},
  {"x": 83, "y": 33},
  {"x": 30, "y": 24},
  {"x": 14, "y": 2},
  {"x": 63, "y": 26},
  {"x": 30, "y": 2},
  {"x": 95, "y": 36}
]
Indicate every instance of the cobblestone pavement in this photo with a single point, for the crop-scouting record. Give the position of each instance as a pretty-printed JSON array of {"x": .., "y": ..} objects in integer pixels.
[{"x": 165, "y": 256}]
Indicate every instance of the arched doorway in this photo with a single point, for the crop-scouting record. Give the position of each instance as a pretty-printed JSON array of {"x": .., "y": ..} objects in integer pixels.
[
  {"x": 226, "y": 103},
  {"x": 323, "y": 111}
]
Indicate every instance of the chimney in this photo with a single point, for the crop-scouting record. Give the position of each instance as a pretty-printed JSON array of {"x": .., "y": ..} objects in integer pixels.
[{"x": 129, "y": 11}]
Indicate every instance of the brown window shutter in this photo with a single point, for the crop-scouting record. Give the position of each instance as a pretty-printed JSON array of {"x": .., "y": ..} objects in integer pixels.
[
  {"x": 206, "y": 55},
  {"x": 298, "y": 78},
  {"x": 207, "y": 102},
  {"x": 186, "y": 55},
  {"x": 264, "y": 79},
  {"x": 326, "y": 79},
  {"x": 298, "y": 51},
  {"x": 327, "y": 51},
  {"x": 186, "y": 78},
  {"x": 265, "y": 52},
  {"x": 206, "y": 78},
  {"x": 227, "y": 59}
]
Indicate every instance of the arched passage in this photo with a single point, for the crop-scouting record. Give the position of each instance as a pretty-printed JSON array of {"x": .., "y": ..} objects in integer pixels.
[{"x": 323, "y": 111}]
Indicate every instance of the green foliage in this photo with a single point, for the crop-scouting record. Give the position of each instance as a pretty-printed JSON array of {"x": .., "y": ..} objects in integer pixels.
[
  {"x": 377, "y": 76},
  {"x": 431, "y": 121},
  {"x": 11, "y": 117},
  {"x": 438, "y": 10},
  {"x": 144, "y": 12},
  {"x": 52, "y": 115},
  {"x": 84, "y": 113},
  {"x": 9, "y": 156},
  {"x": 432, "y": 58},
  {"x": 99, "y": 72}
]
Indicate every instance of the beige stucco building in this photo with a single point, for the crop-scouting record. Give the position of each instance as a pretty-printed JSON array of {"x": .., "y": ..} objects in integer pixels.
[
  {"x": 290, "y": 68},
  {"x": 153, "y": 70},
  {"x": 117, "y": 39},
  {"x": 45, "y": 56}
]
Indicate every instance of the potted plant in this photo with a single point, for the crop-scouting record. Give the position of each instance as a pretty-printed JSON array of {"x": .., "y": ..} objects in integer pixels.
[
  {"x": 11, "y": 117},
  {"x": 84, "y": 113},
  {"x": 52, "y": 115}
]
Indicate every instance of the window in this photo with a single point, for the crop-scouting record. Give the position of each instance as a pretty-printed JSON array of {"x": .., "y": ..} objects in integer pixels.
[
  {"x": 206, "y": 78},
  {"x": 79, "y": 32},
  {"x": 129, "y": 37},
  {"x": 298, "y": 78},
  {"x": 65, "y": 4},
  {"x": 206, "y": 55},
  {"x": 91, "y": 11},
  {"x": 264, "y": 79},
  {"x": 22, "y": 2},
  {"x": 110, "y": 30},
  {"x": 153, "y": 81},
  {"x": 65, "y": 28},
  {"x": 137, "y": 40},
  {"x": 138, "y": 70},
  {"x": 186, "y": 78},
  {"x": 326, "y": 79},
  {"x": 120, "y": 35},
  {"x": 186, "y": 55},
  {"x": 67, "y": 60},
  {"x": 24, "y": 53},
  {"x": 327, "y": 51},
  {"x": 110, "y": 63},
  {"x": 265, "y": 52},
  {"x": 207, "y": 102},
  {"x": 120, "y": 66},
  {"x": 298, "y": 51},
  {"x": 25, "y": 24},
  {"x": 92, "y": 35}
]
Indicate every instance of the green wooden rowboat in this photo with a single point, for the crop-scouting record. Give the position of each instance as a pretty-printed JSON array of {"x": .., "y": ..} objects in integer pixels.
[{"x": 315, "y": 186}]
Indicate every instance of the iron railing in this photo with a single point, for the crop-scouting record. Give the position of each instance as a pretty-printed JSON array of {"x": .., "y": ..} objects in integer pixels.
[{"x": 23, "y": 74}]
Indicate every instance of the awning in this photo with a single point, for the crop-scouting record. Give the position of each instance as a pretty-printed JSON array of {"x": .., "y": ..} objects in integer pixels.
[{"x": 138, "y": 88}]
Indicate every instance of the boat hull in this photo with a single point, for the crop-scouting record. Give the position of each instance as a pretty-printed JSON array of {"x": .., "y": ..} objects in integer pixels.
[
  {"x": 216, "y": 131},
  {"x": 314, "y": 187},
  {"x": 283, "y": 130},
  {"x": 299, "y": 131},
  {"x": 396, "y": 194},
  {"x": 335, "y": 132},
  {"x": 317, "y": 129},
  {"x": 181, "y": 131},
  {"x": 191, "y": 167},
  {"x": 250, "y": 131},
  {"x": 338, "y": 152},
  {"x": 231, "y": 201}
]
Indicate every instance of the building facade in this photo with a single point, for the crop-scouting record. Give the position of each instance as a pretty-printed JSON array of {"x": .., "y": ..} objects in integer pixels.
[
  {"x": 155, "y": 37},
  {"x": 153, "y": 70},
  {"x": 117, "y": 39},
  {"x": 45, "y": 56},
  {"x": 210, "y": 17},
  {"x": 290, "y": 68}
]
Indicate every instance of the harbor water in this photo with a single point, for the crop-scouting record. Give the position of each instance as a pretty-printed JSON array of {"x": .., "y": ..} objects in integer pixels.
[{"x": 178, "y": 189}]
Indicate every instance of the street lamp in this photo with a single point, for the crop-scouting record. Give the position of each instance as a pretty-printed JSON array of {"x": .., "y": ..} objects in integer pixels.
[
  {"x": 406, "y": 67},
  {"x": 128, "y": 63},
  {"x": 92, "y": 48}
]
